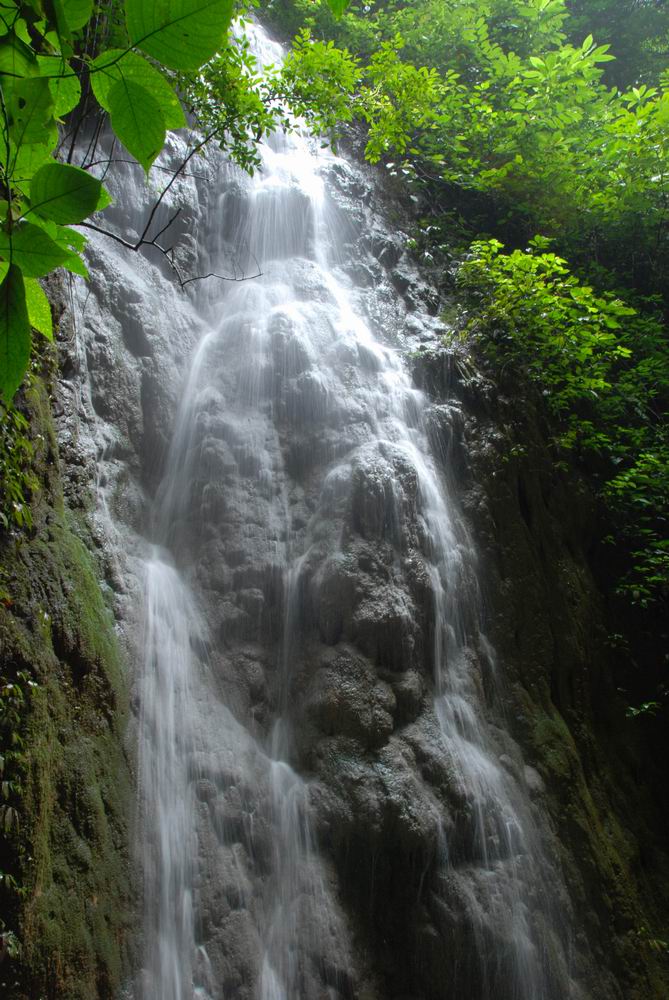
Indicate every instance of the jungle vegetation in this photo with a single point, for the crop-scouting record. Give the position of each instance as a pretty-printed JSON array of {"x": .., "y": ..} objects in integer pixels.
[{"x": 532, "y": 137}]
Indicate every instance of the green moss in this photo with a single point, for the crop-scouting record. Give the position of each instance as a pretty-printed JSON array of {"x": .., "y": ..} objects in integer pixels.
[
  {"x": 552, "y": 743},
  {"x": 71, "y": 856}
]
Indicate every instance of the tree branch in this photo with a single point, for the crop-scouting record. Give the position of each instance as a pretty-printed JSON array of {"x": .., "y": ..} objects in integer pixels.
[{"x": 168, "y": 253}]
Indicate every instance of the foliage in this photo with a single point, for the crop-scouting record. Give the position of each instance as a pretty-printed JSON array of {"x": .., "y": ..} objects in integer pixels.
[
  {"x": 639, "y": 496},
  {"x": 493, "y": 97},
  {"x": 638, "y": 28},
  {"x": 14, "y": 694},
  {"x": 234, "y": 99},
  {"x": 51, "y": 57},
  {"x": 42, "y": 61},
  {"x": 12, "y": 707},
  {"x": 17, "y": 480},
  {"x": 532, "y": 313},
  {"x": 319, "y": 80},
  {"x": 602, "y": 368}
]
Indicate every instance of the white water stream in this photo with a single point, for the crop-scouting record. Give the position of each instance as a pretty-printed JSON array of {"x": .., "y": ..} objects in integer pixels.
[{"x": 288, "y": 369}]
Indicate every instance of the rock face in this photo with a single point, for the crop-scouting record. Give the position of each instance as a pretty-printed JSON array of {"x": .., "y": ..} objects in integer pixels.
[
  {"x": 71, "y": 904},
  {"x": 380, "y": 777},
  {"x": 588, "y": 765}
]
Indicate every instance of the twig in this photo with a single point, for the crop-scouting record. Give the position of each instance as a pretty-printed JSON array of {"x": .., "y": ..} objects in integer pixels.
[
  {"x": 223, "y": 277},
  {"x": 168, "y": 253}
]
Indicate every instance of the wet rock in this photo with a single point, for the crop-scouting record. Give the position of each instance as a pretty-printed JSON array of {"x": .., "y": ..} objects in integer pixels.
[
  {"x": 410, "y": 692},
  {"x": 384, "y": 627},
  {"x": 346, "y": 698}
]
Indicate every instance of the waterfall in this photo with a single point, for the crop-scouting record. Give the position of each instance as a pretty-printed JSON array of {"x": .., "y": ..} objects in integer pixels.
[{"x": 319, "y": 702}]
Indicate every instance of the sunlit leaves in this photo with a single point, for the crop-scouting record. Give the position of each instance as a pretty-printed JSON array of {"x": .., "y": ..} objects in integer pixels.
[
  {"x": 39, "y": 308},
  {"x": 64, "y": 193},
  {"x": 115, "y": 66},
  {"x": 14, "y": 333},
  {"x": 338, "y": 6},
  {"x": 71, "y": 15},
  {"x": 181, "y": 34},
  {"x": 63, "y": 84},
  {"x": 29, "y": 110},
  {"x": 16, "y": 58},
  {"x": 27, "y": 160},
  {"x": 600, "y": 368},
  {"x": 137, "y": 120},
  {"x": 534, "y": 314},
  {"x": 29, "y": 247}
]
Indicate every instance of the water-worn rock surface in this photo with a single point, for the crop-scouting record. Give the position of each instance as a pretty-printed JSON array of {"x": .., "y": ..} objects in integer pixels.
[{"x": 364, "y": 632}]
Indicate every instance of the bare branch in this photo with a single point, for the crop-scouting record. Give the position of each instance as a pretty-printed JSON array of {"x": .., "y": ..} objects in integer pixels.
[
  {"x": 112, "y": 236},
  {"x": 222, "y": 277},
  {"x": 109, "y": 160},
  {"x": 168, "y": 254},
  {"x": 198, "y": 146},
  {"x": 166, "y": 226}
]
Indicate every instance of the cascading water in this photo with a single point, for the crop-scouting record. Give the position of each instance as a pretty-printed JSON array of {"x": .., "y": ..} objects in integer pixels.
[
  {"x": 315, "y": 576},
  {"x": 167, "y": 717}
]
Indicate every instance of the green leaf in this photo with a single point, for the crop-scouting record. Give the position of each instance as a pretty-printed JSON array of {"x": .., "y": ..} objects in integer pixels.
[
  {"x": 29, "y": 110},
  {"x": 32, "y": 250},
  {"x": 65, "y": 88},
  {"x": 14, "y": 333},
  {"x": 16, "y": 58},
  {"x": 181, "y": 34},
  {"x": 72, "y": 243},
  {"x": 39, "y": 308},
  {"x": 77, "y": 13},
  {"x": 137, "y": 120},
  {"x": 131, "y": 66},
  {"x": 76, "y": 265},
  {"x": 66, "y": 237},
  {"x": 28, "y": 159},
  {"x": 338, "y": 6},
  {"x": 104, "y": 200},
  {"x": 71, "y": 15},
  {"x": 8, "y": 13},
  {"x": 64, "y": 193}
]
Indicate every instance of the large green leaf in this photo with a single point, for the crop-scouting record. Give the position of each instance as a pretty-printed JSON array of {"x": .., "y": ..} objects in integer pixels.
[
  {"x": 29, "y": 110},
  {"x": 28, "y": 159},
  {"x": 67, "y": 237},
  {"x": 16, "y": 58},
  {"x": 14, "y": 333},
  {"x": 137, "y": 120},
  {"x": 181, "y": 34},
  {"x": 76, "y": 12},
  {"x": 65, "y": 88},
  {"x": 8, "y": 14},
  {"x": 39, "y": 308},
  {"x": 71, "y": 15},
  {"x": 114, "y": 66},
  {"x": 32, "y": 250},
  {"x": 72, "y": 243},
  {"x": 63, "y": 193}
]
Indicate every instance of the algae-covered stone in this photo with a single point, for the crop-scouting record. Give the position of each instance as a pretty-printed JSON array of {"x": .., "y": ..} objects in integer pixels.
[{"x": 69, "y": 856}]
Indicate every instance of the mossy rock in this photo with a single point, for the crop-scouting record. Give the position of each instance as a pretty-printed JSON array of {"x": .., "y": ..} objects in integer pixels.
[{"x": 70, "y": 856}]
